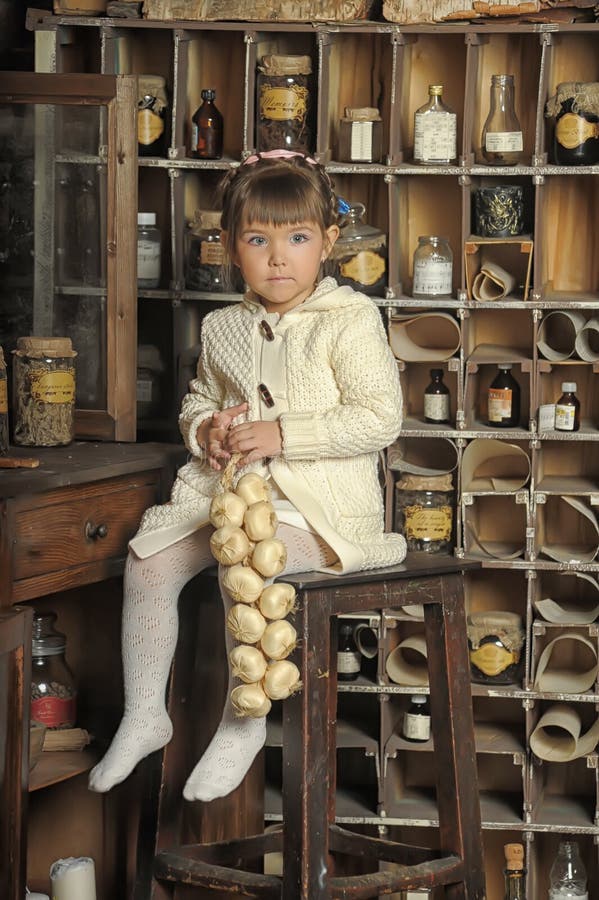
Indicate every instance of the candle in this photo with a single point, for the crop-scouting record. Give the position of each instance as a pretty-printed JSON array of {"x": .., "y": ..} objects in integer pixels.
[{"x": 73, "y": 879}]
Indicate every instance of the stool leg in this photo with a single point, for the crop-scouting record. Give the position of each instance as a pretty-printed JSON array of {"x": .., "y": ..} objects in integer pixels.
[
  {"x": 453, "y": 735},
  {"x": 306, "y": 751}
]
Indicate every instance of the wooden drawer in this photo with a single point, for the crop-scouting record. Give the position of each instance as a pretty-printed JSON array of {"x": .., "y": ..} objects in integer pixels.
[{"x": 76, "y": 535}]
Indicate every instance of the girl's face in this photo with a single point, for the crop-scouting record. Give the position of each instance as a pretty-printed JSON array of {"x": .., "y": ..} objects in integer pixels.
[{"x": 280, "y": 263}]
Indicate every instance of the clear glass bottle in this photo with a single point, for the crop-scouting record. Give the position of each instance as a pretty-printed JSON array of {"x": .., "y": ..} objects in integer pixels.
[
  {"x": 436, "y": 400},
  {"x": 53, "y": 693},
  {"x": 514, "y": 873},
  {"x": 360, "y": 254},
  {"x": 3, "y": 405},
  {"x": 349, "y": 659},
  {"x": 435, "y": 130},
  {"x": 503, "y": 399},
  {"x": 501, "y": 140},
  {"x": 433, "y": 268},
  {"x": 207, "y": 128},
  {"x": 568, "y": 877},
  {"x": 149, "y": 244},
  {"x": 567, "y": 408},
  {"x": 416, "y": 725}
]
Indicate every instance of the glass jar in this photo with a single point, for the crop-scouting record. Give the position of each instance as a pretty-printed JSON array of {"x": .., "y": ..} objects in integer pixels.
[
  {"x": 433, "y": 268},
  {"x": 360, "y": 135},
  {"x": 502, "y": 135},
  {"x": 3, "y": 405},
  {"x": 575, "y": 108},
  {"x": 496, "y": 647},
  {"x": 53, "y": 693},
  {"x": 205, "y": 254},
  {"x": 284, "y": 103},
  {"x": 424, "y": 512},
  {"x": 435, "y": 129},
  {"x": 149, "y": 251},
  {"x": 360, "y": 254},
  {"x": 151, "y": 115},
  {"x": 43, "y": 392}
]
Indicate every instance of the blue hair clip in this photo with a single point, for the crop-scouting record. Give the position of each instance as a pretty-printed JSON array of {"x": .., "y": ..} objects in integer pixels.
[{"x": 343, "y": 206}]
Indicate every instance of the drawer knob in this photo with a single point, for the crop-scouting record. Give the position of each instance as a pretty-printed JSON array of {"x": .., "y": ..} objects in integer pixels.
[{"x": 93, "y": 532}]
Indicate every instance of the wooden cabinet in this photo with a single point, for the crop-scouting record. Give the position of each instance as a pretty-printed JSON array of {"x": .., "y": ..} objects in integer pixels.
[
  {"x": 64, "y": 529},
  {"x": 533, "y": 541}
]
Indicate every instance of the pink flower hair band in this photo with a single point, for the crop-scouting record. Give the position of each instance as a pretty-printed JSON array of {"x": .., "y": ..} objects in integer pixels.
[{"x": 277, "y": 154}]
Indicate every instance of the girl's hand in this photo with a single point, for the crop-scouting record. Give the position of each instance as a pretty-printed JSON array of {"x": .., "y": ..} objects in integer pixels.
[
  {"x": 254, "y": 440},
  {"x": 212, "y": 433}
]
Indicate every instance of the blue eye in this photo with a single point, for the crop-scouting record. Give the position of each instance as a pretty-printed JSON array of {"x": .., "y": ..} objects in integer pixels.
[
  {"x": 298, "y": 238},
  {"x": 257, "y": 240}
]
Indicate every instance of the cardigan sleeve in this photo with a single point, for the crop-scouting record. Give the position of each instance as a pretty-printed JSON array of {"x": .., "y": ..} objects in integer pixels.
[
  {"x": 205, "y": 396},
  {"x": 369, "y": 414}
]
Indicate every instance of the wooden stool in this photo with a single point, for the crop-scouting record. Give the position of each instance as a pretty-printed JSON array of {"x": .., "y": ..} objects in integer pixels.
[{"x": 309, "y": 834}]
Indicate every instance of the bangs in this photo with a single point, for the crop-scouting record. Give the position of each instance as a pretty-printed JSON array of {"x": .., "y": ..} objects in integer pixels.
[{"x": 282, "y": 200}]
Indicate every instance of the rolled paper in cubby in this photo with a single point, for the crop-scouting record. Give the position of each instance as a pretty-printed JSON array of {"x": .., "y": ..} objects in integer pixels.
[
  {"x": 587, "y": 341},
  {"x": 561, "y": 679},
  {"x": 403, "y": 671},
  {"x": 557, "y": 334},
  {"x": 423, "y": 456},
  {"x": 495, "y": 549},
  {"x": 491, "y": 465},
  {"x": 569, "y": 612},
  {"x": 492, "y": 283},
  {"x": 428, "y": 337},
  {"x": 558, "y": 738},
  {"x": 566, "y": 552}
]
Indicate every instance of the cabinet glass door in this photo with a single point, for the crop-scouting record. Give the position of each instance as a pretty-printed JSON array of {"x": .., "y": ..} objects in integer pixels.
[{"x": 68, "y": 205}]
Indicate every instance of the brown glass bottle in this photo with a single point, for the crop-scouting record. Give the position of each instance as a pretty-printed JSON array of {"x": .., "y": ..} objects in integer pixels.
[
  {"x": 207, "y": 129},
  {"x": 503, "y": 399},
  {"x": 436, "y": 400},
  {"x": 567, "y": 409}
]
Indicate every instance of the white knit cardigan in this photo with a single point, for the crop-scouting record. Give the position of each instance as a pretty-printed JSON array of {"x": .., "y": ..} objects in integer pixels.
[{"x": 345, "y": 406}]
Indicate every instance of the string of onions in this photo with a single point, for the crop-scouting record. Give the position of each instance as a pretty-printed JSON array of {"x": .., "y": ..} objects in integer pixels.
[{"x": 245, "y": 542}]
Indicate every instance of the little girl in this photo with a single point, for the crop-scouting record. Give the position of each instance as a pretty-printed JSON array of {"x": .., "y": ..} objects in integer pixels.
[{"x": 299, "y": 379}]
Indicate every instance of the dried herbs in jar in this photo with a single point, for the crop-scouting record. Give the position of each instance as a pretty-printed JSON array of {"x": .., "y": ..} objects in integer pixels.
[
  {"x": 205, "y": 253},
  {"x": 284, "y": 103},
  {"x": 3, "y": 405},
  {"x": 43, "y": 392},
  {"x": 424, "y": 512}
]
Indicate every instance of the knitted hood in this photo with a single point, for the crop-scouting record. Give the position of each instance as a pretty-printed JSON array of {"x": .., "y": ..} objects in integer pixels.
[{"x": 327, "y": 296}]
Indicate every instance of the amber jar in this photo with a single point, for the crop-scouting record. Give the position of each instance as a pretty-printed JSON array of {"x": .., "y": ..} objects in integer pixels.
[
  {"x": 424, "y": 512},
  {"x": 575, "y": 108},
  {"x": 53, "y": 693},
  {"x": 284, "y": 103},
  {"x": 496, "y": 647},
  {"x": 44, "y": 392}
]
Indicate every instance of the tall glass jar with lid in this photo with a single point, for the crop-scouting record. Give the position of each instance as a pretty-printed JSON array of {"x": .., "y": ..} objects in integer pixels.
[
  {"x": 284, "y": 103},
  {"x": 53, "y": 693},
  {"x": 359, "y": 255},
  {"x": 433, "y": 268}
]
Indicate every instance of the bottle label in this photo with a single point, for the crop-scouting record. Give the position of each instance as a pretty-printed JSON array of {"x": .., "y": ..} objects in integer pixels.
[
  {"x": 55, "y": 712},
  {"x": 194, "y": 137},
  {"x": 491, "y": 660},
  {"x": 366, "y": 267},
  {"x": 282, "y": 104},
  {"x": 348, "y": 662},
  {"x": 212, "y": 253},
  {"x": 572, "y": 131},
  {"x": 436, "y": 406},
  {"x": 150, "y": 127},
  {"x": 148, "y": 260},
  {"x": 3, "y": 396},
  {"x": 558, "y": 893},
  {"x": 432, "y": 276},
  {"x": 144, "y": 391},
  {"x": 499, "y": 404},
  {"x": 361, "y": 141},
  {"x": 565, "y": 417},
  {"x": 416, "y": 727},
  {"x": 435, "y": 136},
  {"x": 53, "y": 387},
  {"x": 503, "y": 141},
  {"x": 422, "y": 523}
]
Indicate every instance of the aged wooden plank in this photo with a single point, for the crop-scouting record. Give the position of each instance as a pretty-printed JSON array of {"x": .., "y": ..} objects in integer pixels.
[{"x": 256, "y": 10}]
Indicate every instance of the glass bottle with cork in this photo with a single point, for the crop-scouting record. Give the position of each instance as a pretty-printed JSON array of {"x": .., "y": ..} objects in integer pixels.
[
  {"x": 503, "y": 399},
  {"x": 416, "y": 725},
  {"x": 436, "y": 400},
  {"x": 53, "y": 693},
  {"x": 502, "y": 135},
  {"x": 567, "y": 408},
  {"x": 435, "y": 130},
  {"x": 349, "y": 659},
  {"x": 207, "y": 128},
  {"x": 514, "y": 872}
]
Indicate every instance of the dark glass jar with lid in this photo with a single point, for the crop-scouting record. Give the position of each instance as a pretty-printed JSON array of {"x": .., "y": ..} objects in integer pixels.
[
  {"x": 359, "y": 255},
  {"x": 575, "y": 108},
  {"x": 53, "y": 693},
  {"x": 204, "y": 253},
  {"x": 284, "y": 103},
  {"x": 496, "y": 647}
]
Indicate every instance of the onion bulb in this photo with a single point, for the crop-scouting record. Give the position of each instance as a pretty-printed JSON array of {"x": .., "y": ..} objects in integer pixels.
[
  {"x": 251, "y": 487},
  {"x": 227, "y": 509},
  {"x": 250, "y": 700},
  {"x": 242, "y": 583},
  {"x": 269, "y": 557},
  {"x": 247, "y": 663},
  {"x": 277, "y": 600},
  {"x": 278, "y": 639},
  {"x": 246, "y": 623},
  {"x": 260, "y": 521},
  {"x": 282, "y": 678},
  {"x": 229, "y": 545}
]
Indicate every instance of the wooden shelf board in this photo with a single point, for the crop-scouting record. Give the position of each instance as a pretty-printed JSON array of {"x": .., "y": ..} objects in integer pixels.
[
  {"x": 565, "y": 810},
  {"x": 567, "y": 484},
  {"x": 349, "y": 736},
  {"x": 60, "y": 765}
]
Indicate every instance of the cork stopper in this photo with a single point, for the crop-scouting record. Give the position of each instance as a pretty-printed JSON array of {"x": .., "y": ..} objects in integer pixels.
[
  {"x": 275, "y": 64},
  {"x": 49, "y": 347},
  {"x": 514, "y": 856}
]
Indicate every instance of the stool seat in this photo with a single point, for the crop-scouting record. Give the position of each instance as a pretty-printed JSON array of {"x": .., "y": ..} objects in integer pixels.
[{"x": 308, "y": 838}]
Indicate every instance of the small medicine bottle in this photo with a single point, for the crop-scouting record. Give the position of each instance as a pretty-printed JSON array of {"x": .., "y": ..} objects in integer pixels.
[
  {"x": 417, "y": 719},
  {"x": 567, "y": 408},
  {"x": 207, "y": 128},
  {"x": 148, "y": 251},
  {"x": 503, "y": 399},
  {"x": 436, "y": 400},
  {"x": 349, "y": 659},
  {"x": 433, "y": 268}
]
